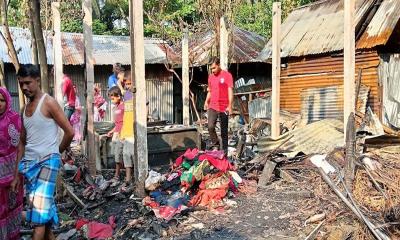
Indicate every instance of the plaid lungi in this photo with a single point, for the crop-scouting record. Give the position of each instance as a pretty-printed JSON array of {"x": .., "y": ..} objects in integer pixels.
[{"x": 41, "y": 177}]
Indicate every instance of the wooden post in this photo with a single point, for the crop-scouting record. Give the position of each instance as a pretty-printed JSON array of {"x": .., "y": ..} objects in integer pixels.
[
  {"x": 88, "y": 38},
  {"x": 138, "y": 75},
  {"x": 57, "y": 52},
  {"x": 349, "y": 100},
  {"x": 349, "y": 60},
  {"x": 276, "y": 68},
  {"x": 223, "y": 44},
  {"x": 185, "y": 78}
]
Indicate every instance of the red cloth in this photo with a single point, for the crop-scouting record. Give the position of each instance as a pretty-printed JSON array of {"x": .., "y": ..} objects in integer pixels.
[
  {"x": 220, "y": 164},
  {"x": 150, "y": 203},
  {"x": 166, "y": 212},
  {"x": 69, "y": 91},
  {"x": 119, "y": 117},
  {"x": 189, "y": 154},
  {"x": 218, "y": 86},
  {"x": 206, "y": 196},
  {"x": 97, "y": 230},
  {"x": 80, "y": 223}
]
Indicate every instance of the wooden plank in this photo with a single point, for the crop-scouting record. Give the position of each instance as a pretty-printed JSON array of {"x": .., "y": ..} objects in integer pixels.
[
  {"x": 252, "y": 92},
  {"x": 185, "y": 79},
  {"x": 88, "y": 39},
  {"x": 138, "y": 74},
  {"x": 57, "y": 52},
  {"x": 224, "y": 44},
  {"x": 349, "y": 61},
  {"x": 266, "y": 174},
  {"x": 73, "y": 196},
  {"x": 276, "y": 68}
]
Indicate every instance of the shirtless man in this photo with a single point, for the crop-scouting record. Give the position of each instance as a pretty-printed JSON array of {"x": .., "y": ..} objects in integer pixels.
[{"x": 40, "y": 160}]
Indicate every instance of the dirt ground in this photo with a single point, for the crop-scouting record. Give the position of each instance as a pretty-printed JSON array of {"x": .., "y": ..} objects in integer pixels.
[{"x": 278, "y": 211}]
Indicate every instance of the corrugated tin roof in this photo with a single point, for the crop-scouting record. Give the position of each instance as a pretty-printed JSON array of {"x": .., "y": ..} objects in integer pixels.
[
  {"x": 318, "y": 28},
  {"x": 382, "y": 25},
  {"x": 247, "y": 46},
  {"x": 106, "y": 49},
  {"x": 318, "y": 137}
]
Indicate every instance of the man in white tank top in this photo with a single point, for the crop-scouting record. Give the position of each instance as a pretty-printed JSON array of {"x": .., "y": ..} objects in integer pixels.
[{"x": 40, "y": 152}]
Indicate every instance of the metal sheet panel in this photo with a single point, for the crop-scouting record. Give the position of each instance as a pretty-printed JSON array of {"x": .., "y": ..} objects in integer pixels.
[
  {"x": 327, "y": 103},
  {"x": 260, "y": 108},
  {"x": 320, "y": 72},
  {"x": 160, "y": 96},
  {"x": 246, "y": 48},
  {"x": 389, "y": 75},
  {"x": 316, "y": 138},
  {"x": 107, "y": 50},
  {"x": 12, "y": 87}
]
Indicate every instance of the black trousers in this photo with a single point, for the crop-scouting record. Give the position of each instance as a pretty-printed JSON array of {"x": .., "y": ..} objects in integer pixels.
[{"x": 212, "y": 120}]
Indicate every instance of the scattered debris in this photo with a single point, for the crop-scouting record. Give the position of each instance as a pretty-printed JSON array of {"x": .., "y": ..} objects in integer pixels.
[{"x": 273, "y": 187}]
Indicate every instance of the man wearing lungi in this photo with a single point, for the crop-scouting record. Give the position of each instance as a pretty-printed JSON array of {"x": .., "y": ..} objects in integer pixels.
[{"x": 41, "y": 117}]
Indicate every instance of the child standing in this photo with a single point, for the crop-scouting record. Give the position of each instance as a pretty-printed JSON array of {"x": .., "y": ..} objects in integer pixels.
[
  {"x": 127, "y": 131},
  {"x": 117, "y": 145}
]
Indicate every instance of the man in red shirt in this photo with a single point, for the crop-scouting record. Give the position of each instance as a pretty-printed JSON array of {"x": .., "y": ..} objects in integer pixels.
[
  {"x": 219, "y": 102},
  {"x": 69, "y": 96}
]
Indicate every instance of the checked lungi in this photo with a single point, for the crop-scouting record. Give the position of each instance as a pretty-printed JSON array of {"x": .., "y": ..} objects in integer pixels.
[{"x": 41, "y": 177}]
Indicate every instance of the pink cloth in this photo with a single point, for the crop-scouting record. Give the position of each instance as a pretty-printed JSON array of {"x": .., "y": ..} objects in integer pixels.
[
  {"x": 119, "y": 117},
  {"x": 166, "y": 212},
  {"x": 10, "y": 129},
  {"x": 10, "y": 202},
  {"x": 99, "y": 101},
  {"x": 221, "y": 164},
  {"x": 216, "y": 154},
  {"x": 189, "y": 154},
  {"x": 69, "y": 91},
  {"x": 76, "y": 120},
  {"x": 218, "y": 86},
  {"x": 97, "y": 230}
]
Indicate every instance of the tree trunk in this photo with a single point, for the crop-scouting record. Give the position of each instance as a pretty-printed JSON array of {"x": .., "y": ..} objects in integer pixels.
[
  {"x": 2, "y": 77},
  {"x": 11, "y": 49},
  {"x": 217, "y": 36},
  {"x": 35, "y": 57},
  {"x": 40, "y": 45}
]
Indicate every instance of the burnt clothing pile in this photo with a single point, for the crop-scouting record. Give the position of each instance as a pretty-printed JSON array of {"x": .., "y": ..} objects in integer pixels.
[{"x": 196, "y": 179}]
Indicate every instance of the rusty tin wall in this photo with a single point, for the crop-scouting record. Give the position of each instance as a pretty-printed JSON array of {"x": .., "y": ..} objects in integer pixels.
[{"x": 325, "y": 71}]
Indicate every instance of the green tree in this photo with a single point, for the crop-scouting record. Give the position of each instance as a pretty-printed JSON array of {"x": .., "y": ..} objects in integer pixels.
[
  {"x": 257, "y": 16},
  {"x": 168, "y": 18},
  {"x": 163, "y": 18}
]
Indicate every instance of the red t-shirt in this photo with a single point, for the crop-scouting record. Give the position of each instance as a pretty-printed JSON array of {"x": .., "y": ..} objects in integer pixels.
[
  {"x": 119, "y": 117},
  {"x": 69, "y": 91},
  {"x": 218, "y": 86}
]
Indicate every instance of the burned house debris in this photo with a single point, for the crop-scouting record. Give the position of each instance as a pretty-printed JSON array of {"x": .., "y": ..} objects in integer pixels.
[{"x": 323, "y": 177}]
